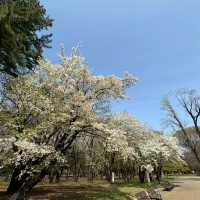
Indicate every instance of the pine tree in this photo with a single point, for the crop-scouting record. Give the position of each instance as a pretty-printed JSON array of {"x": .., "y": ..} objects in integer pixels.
[{"x": 20, "y": 43}]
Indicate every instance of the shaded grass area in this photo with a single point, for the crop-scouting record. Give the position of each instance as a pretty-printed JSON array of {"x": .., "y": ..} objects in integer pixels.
[
  {"x": 69, "y": 190},
  {"x": 82, "y": 190},
  {"x": 103, "y": 195}
]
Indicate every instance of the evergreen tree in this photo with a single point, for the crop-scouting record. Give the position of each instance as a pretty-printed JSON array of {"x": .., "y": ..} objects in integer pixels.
[{"x": 20, "y": 43}]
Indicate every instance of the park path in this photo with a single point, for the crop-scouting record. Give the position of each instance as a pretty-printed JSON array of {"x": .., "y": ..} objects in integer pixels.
[{"x": 187, "y": 188}]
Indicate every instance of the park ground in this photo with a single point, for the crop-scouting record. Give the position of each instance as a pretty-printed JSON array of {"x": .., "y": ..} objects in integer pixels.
[
  {"x": 186, "y": 188},
  {"x": 70, "y": 190}
]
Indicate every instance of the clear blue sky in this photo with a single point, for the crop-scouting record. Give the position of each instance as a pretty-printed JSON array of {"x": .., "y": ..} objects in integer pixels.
[{"x": 158, "y": 41}]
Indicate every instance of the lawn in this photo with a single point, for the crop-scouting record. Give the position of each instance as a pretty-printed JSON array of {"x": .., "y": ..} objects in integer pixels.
[{"x": 69, "y": 190}]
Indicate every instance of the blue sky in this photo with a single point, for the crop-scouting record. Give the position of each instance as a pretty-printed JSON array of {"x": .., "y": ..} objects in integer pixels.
[{"x": 157, "y": 41}]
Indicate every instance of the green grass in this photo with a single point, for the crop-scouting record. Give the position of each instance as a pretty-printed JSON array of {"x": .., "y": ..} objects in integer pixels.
[
  {"x": 103, "y": 195},
  {"x": 135, "y": 186},
  {"x": 98, "y": 190},
  {"x": 117, "y": 191}
]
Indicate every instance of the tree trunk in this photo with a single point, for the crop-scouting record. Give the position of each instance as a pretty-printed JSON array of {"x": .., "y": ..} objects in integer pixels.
[
  {"x": 20, "y": 189},
  {"x": 148, "y": 177},
  {"x": 51, "y": 176},
  {"x": 159, "y": 173},
  {"x": 112, "y": 177},
  {"x": 15, "y": 182},
  {"x": 141, "y": 175},
  {"x": 111, "y": 167},
  {"x": 58, "y": 175}
]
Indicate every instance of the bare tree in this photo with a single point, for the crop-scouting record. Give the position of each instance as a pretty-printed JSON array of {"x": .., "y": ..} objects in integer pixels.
[{"x": 189, "y": 106}]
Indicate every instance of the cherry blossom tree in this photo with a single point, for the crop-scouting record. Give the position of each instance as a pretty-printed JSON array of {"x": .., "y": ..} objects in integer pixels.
[
  {"x": 158, "y": 149},
  {"x": 47, "y": 110},
  {"x": 131, "y": 140}
]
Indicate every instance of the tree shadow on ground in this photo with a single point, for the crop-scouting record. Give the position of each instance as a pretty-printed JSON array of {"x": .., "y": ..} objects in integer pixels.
[
  {"x": 76, "y": 193},
  {"x": 3, "y": 195},
  {"x": 66, "y": 193}
]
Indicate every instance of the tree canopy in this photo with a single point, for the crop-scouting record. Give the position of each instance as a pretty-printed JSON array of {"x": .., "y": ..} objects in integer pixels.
[
  {"x": 60, "y": 109},
  {"x": 45, "y": 111},
  {"x": 21, "y": 45}
]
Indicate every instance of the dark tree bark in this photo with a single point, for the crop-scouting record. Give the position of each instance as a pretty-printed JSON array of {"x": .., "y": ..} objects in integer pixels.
[
  {"x": 159, "y": 173},
  {"x": 142, "y": 174},
  {"x": 14, "y": 184},
  {"x": 23, "y": 192},
  {"x": 20, "y": 188}
]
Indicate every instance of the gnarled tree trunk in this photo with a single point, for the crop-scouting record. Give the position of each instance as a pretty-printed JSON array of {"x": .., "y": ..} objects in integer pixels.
[{"x": 20, "y": 189}]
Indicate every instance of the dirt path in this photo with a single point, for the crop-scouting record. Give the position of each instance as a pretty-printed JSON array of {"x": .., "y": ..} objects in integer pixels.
[{"x": 187, "y": 188}]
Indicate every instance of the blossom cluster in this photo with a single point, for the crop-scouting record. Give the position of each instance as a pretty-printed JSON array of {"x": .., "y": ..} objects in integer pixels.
[
  {"x": 47, "y": 109},
  {"x": 134, "y": 140}
]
